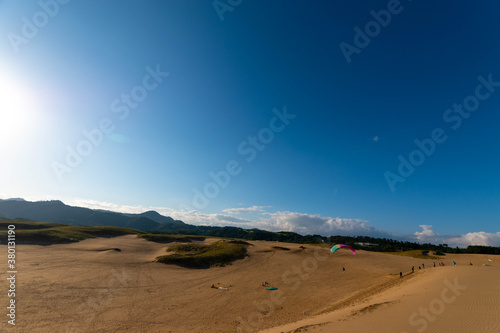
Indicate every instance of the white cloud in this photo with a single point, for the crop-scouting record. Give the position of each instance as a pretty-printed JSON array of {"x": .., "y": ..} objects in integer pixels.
[
  {"x": 103, "y": 205},
  {"x": 375, "y": 139},
  {"x": 244, "y": 210},
  {"x": 288, "y": 221},
  {"x": 229, "y": 218},
  {"x": 475, "y": 238},
  {"x": 317, "y": 224},
  {"x": 427, "y": 235}
]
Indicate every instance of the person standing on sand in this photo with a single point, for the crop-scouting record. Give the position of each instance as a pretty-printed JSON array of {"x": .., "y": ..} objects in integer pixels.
[
  {"x": 400, "y": 274},
  {"x": 343, "y": 269},
  {"x": 434, "y": 264},
  {"x": 413, "y": 269}
]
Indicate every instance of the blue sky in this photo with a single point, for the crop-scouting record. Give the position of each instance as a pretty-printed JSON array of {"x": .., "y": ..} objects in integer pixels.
[{"x": 313, "y": 135}]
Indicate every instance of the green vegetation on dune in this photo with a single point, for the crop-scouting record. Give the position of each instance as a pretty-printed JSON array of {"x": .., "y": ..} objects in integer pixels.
[
  {"x": 415, "y": 254},
  {"x": 27, "y": 225},
  {"x": 44, "y": 233},
  {"x": 219, "y": 253},
  {"x": 166, "y": 238}
]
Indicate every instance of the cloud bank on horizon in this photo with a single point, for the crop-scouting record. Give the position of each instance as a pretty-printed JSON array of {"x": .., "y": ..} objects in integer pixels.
[
  {"x": 300, "y": 223},
  {"x": 427, "y": 235}
]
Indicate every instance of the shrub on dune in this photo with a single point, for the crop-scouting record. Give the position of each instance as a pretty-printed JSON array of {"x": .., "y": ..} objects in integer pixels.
[{"x": 219, "y": 253}]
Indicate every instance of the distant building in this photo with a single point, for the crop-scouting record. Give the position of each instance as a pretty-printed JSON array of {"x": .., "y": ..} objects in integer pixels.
[{"x": 365, "y": 244}]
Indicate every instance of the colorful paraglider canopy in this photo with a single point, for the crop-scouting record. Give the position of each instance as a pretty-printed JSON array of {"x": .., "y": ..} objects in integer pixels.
[{"x": 338, "y": 246}]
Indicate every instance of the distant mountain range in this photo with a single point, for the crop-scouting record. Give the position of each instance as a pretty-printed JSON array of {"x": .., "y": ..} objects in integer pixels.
[{"x": 57, "y": 211}]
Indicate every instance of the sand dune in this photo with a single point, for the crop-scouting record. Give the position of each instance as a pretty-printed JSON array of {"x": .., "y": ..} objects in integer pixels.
[
  {"x": 448, "y": 299},
  {"x": 90, "y": 286}
]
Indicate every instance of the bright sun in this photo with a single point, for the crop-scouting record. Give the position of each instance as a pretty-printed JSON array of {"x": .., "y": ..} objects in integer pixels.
[{"x": 16, "y": 111}]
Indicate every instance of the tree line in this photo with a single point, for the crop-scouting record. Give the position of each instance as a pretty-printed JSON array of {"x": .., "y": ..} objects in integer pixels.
[{"x": 382, "y": 244}]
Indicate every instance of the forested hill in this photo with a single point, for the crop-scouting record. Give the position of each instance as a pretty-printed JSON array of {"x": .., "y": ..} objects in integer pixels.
[{"x": 382, "y": 244}]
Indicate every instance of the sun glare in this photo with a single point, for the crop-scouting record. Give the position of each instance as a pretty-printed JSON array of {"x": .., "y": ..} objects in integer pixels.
[{"x": 16, "y": 112}]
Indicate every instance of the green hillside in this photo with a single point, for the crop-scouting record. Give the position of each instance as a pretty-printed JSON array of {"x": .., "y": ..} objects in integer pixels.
[{"x": 45, "y": 233}]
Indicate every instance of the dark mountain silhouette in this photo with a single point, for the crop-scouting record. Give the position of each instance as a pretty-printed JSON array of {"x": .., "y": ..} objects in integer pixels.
[
  {"x": 157, "y": 217},
  {"x": 142, "y": 223},
  {"x": 57, "y": 211}
]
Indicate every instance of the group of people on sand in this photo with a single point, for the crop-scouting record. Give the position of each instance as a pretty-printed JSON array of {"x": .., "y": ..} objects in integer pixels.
[{"x": 423, "y": 267}]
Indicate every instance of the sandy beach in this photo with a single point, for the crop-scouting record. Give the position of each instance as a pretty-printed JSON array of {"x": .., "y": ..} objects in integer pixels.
[{"x": 113, "y": 285}]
